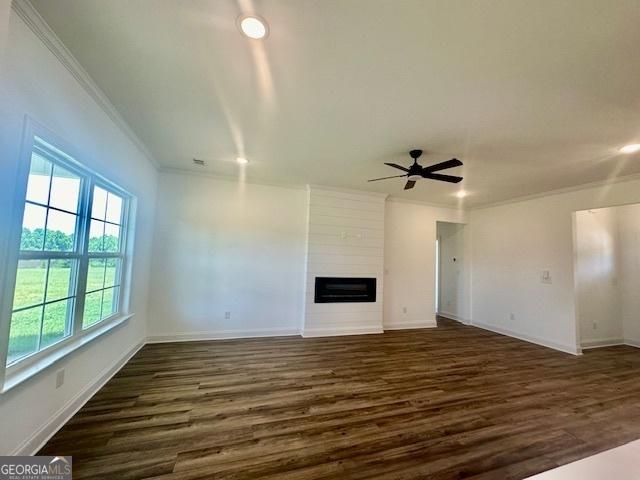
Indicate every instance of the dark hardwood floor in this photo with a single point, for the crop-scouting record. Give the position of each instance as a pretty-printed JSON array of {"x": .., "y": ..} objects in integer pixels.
[{"x": 451, "y": 402}]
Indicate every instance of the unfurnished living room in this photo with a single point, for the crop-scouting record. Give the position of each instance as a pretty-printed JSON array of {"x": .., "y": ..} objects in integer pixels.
[{"x": 319, "y": 239}]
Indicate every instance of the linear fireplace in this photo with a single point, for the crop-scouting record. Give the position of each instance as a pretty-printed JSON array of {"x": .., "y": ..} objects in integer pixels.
[{"x": 343, "y": 290}]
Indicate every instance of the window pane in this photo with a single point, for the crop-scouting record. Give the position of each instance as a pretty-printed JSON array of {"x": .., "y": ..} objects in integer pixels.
[
  {"x": 99, "y": 203},
  {"x": 24, "y": 333},
  {"x": 30, "y": 279},
  {"x": 38, "y": 183},
  {"x": 109, "y": 302},
  {"x": 65, "y": 190},
  {"x": 60, "y": 284},
  {"x": 114, "y": 208},
  {"x": 95, "y": 274},
  {"x": 96, "y": 235},
  {"x": 56, "y": 323},
  {"x": 111, "y": 238},
  {"x": 33, "y": 227},
  {"x": 112, "y": 276},
  {"x": 92, "y": 306},
  {"x": 61, "y": 229}
]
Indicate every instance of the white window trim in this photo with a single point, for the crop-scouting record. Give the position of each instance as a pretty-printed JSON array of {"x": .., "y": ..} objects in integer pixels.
[{"x": 35, "y": 363}]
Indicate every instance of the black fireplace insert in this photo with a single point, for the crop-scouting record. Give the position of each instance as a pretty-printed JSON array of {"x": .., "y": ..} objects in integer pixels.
[{"x": 345, "y": 289}]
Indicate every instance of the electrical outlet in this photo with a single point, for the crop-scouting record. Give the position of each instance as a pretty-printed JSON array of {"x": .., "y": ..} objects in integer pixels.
[
  {"x": 546, "y": 276},
  {"x": 512, "y": 316},
  {"x": 404, "y": 309},
  {"x": 59, "y": 378},
  {"x": 227, "y": 315},
  {"x": 594, "y": 325}
]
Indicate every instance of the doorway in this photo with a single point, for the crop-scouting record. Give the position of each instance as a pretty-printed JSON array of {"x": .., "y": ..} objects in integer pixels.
[
  {"x": 450, "y": 271},
  {"x": 607, "y": 276}
]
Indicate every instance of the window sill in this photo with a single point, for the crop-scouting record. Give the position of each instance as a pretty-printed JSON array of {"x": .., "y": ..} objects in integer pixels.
[{"x": 19, "y": 374}]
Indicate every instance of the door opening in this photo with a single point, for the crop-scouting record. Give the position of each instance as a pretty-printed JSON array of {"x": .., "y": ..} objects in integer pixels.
[{"x": 449, "y": 270}]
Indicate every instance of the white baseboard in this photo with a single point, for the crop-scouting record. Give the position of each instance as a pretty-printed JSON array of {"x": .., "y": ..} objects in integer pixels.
[
  {"x": 409, "y": 325},
  {"x": 36, "y": 441},
  {"x": 221, "y": 335},
  {"x": 632, "y": 343},
  {"x": 605, "y": 342},
  {"x": 335, "y": 331},
  {"x": 527, "y": 338},
  {"x": 452, "y": 316}
]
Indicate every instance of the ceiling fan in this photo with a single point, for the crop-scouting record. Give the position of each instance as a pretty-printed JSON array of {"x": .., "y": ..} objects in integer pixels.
[{"x": 415, "y": 172}]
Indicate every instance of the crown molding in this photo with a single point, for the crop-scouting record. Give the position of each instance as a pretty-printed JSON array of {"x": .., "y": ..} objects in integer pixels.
[
  {"x": 560, "y": 191},
  {"x": 47, "y": 36}
]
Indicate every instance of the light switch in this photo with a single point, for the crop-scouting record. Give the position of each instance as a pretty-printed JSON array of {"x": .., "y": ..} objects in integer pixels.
[{"x": 59, "y": 378}]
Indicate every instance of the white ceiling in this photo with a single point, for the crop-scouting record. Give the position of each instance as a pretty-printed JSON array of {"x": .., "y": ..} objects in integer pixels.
[{"x": 530, "y": 95}]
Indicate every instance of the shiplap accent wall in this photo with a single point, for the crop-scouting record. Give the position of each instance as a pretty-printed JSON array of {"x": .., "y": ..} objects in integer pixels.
[{"x": 345, "y": 239}]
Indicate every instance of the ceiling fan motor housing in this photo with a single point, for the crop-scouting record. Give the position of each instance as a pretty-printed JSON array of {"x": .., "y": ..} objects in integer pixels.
[{"x": 415, "y": 172}]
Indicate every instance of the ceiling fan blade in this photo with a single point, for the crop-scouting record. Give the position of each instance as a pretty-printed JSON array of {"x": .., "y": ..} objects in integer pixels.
[
  {"x": 443, "y": 178},
  {"x": 410, "y": 184},
  {"x": 454, "y": 162},
  {"x": 384, "y": 178},
  {"x": 395, "y": 165}
]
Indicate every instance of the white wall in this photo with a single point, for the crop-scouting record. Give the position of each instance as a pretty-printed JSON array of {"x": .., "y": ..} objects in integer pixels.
[
  {"x": 410, "y": 263},
  {"x": 597, "y": 264},
  {"x": 346, "y": 239},
  {"x": 227, "y": 247},
  {"x": 453, "y": 274},
  {"x": 629, "y": 281},
  {"x": 242, "y": 248},
  {"x": 5, "y": 9},
  {"x": 512, "y": 244},
  {"x": 35, "y": 83}
]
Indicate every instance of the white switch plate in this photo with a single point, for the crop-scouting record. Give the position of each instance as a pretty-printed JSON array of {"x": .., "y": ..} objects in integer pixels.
[{"x": 59, "y": 378}]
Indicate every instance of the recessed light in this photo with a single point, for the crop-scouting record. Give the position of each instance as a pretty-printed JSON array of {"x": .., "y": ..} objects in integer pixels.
[
  {"x": 632, "y": 148},
  {"x": 241, "y": 161},
  {"x": 253, "y": 27},
  {"x": 461, "y": 194}
]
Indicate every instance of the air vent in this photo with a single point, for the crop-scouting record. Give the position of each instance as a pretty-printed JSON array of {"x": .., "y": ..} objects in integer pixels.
[{"x": 198, "y": 162}]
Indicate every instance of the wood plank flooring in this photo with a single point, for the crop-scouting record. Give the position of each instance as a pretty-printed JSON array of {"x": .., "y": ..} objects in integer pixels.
[{"x": 451, "y": 402}]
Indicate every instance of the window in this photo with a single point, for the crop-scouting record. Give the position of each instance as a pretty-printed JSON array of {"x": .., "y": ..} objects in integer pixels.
[
  {"x": 70, "y": 271},
  {"x": 105, "y": 257}
]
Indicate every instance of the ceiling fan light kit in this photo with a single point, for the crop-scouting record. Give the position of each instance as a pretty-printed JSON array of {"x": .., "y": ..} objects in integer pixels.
[{"x": 417, "y": 172}]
